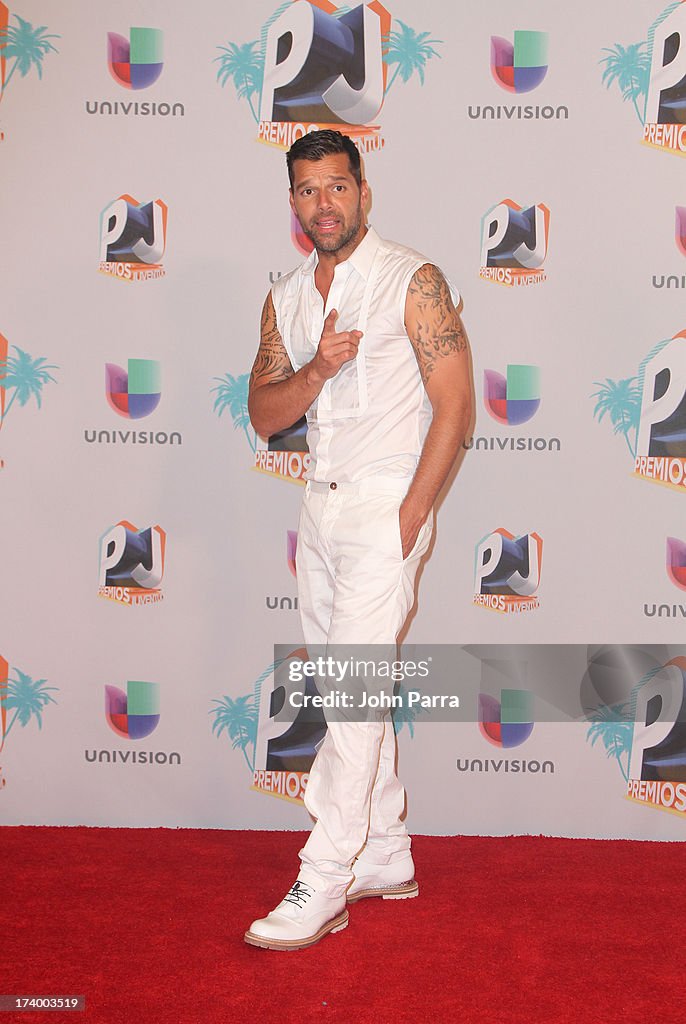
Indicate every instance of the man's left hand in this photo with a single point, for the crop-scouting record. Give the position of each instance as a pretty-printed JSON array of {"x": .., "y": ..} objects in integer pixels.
[{"x": 410, "y": 525}]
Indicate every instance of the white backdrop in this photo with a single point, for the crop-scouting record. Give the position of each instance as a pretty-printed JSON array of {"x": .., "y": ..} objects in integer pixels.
[{"x": 227, "y": 593}]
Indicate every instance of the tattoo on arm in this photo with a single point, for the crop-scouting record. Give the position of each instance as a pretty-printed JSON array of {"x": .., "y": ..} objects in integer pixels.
[
  {"x": 434, "y": 327},
  {"x": 271, "y": 362}
]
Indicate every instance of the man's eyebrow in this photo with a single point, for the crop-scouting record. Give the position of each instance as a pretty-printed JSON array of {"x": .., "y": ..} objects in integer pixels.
[{"x": 306, "y": 182}]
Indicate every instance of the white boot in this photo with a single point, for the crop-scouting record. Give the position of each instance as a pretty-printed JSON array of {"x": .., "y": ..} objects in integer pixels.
[
  {"x": 303, "y": 917},
  {"x": 394, "y": 881}
]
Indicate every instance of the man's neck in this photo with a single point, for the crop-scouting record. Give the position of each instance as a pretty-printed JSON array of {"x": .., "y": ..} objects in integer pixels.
[{"x": 328, "y": 261}]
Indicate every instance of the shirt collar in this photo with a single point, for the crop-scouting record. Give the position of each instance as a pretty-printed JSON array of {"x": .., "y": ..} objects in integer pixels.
[{"x": 360, "y": 259}]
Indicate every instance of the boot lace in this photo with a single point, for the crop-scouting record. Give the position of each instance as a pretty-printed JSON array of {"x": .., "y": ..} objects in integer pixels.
[{"x": 298, "y": 894}]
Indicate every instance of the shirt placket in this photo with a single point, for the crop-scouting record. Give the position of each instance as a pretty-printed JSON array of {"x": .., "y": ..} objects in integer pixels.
[{"x": 320, "y": 312}]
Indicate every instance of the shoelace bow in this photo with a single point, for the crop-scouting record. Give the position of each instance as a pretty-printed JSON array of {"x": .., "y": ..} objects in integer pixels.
[{"x": 298, "y": 894}]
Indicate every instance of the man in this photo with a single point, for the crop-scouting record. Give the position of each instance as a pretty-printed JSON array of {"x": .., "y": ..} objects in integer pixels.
[{"x": 364, "y": 338}]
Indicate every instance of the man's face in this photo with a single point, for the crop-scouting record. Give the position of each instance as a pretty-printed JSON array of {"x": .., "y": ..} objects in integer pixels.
[{"x": 328, "y": 203}]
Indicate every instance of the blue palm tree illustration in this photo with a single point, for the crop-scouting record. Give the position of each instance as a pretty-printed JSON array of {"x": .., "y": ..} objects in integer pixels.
[
  {"x": 239, "y": 718},
  {"x": 410, "y": 51},
  {"x": 629, "y": 67},
  {"x": 244, "y": 66},
  {"x": 27, "y": 698},
  {"x": 232, "y": 393},
  {"x": 26, "y": 376},
  {"x": 612, "y": 725},
  {"x": 27, "y": 45},
  {"x": 622, "y": 401},
  {"x": 405, "y": 715}
]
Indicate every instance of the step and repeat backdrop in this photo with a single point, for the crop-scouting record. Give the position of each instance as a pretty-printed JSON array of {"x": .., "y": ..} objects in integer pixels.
[{"x": 148, "y": 537}]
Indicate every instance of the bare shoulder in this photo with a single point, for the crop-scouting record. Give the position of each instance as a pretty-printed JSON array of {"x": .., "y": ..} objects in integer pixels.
[
  {"x": 271, "y": 362},
  {"x": 433, "y": 324}
]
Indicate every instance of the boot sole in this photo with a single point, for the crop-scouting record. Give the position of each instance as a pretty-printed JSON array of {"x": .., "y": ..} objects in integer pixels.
[
  {"x": 403, "y": 891},
  {"x": 336, "y": 924}
]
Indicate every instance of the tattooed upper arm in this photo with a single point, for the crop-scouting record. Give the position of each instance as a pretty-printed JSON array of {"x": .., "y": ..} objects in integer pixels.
[
  {"x": 431, "y": 320},
  {"x": 271, "y": 362}
]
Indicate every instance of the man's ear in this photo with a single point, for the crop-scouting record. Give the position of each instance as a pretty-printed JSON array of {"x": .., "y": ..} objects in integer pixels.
[{"x": 290, "y": 199}]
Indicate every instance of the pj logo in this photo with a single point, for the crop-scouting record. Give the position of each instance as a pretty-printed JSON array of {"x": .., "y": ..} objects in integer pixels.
[
  {"x": 650, "y": 411},
  {"x": 657, "y": 765},
  {"x": 507, "y": 571},
  {"x": 133, "y": 238},
  {"x": 514, "y": 243},
  {"x": 652, "y": 75},
  {"x": 132, "y": 564},
  {"x": 320, "y": 66}
]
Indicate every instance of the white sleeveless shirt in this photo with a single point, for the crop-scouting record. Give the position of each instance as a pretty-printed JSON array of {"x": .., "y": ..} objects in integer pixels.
[{"x": 371, "y": 418}]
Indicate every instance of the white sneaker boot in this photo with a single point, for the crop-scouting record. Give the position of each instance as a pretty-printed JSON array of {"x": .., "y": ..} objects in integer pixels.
[
  {"x": 394, "y": 881},
  {"x": 303, "y": 917}
]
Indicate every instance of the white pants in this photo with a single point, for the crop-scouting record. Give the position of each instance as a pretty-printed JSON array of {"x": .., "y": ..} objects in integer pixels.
[{"x": 354, "y": 587}]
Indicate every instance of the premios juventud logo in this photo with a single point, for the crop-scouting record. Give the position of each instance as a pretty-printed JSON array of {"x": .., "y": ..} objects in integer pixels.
[
  {"x": 132, "y": 564},
  {"x": 279, "y": 754},
  {"x": 651, "y": 75},
  {"x": 133, "y": 238},
  {"x": 507, "y": 572},
  {"x": 284, "y": 455},
  {"x": 316, "y": 65},
  {"x": 646, "y": 735},
  {"x": 649, "y": 411},
  {"x": 514, "y": 244},
  {"x": 23, "y": 48}
]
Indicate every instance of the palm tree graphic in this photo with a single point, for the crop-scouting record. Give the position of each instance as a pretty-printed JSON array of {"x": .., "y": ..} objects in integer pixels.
[
  {"x": 27, "y": 45},
  {"x": 621, "y": 399},
  {"x": 410, "y": 51},
  {"x": 629, "y": 67},
  {"x": 239, "y": 717},
  {"x": 405, "y": 715},
  {"x": 232, "y": 393},
  {"x": 27, "y": 698},
  {"x": 243, "y": 65},
  {"x": 611, "y": 725},
  {"x": 25, "y": 376}
]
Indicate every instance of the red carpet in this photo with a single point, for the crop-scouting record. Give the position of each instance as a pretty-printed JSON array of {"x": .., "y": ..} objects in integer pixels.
[{"x": 148, "y": 925}]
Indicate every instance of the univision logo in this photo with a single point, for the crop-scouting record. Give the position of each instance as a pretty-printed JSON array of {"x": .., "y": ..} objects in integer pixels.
[
  {"x": 676, "y": 571},
  {"x": 286, "y": 603},
  {"x": 133, "y": 393},
  {"x": 668, "y": 281},
  {"x": 135, "y": 63},
  {"x": 133, "y": 715},
  {"x": 512, "y": 399},
  {"x": 518, "y": 67}
]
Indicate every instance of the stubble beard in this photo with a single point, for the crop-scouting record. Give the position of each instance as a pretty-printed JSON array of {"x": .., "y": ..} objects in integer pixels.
[{"x": 329, "y": 244}]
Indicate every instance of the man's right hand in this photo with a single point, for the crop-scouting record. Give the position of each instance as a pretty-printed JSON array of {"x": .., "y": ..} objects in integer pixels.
[{"x": 334, "y": 349}]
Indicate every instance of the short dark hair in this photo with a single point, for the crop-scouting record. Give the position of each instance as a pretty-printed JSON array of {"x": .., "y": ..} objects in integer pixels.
[{"x": 317, "y": 145}]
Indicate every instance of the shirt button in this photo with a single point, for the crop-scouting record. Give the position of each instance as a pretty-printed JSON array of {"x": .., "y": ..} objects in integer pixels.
[{"x": 333, "y": 485}]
